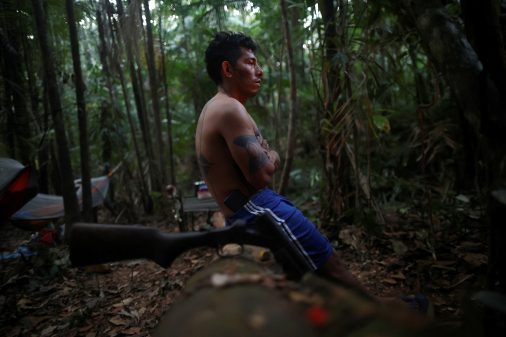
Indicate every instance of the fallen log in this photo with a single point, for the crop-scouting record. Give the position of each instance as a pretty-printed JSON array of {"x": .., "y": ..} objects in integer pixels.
[
  {"x": 228, "y": 299},
  {"x": 239, "y": 297}
]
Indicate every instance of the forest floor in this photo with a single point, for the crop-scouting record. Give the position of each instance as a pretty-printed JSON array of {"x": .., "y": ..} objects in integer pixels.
[{"x": 43, "y": 296}]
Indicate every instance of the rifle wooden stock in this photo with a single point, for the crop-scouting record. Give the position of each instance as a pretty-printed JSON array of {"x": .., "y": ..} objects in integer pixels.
[{"x": 101, "y": 243}]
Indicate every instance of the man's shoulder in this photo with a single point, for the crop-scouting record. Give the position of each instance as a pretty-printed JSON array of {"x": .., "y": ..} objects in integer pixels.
[
  {"x": 226, "y": 107},
  {"x": 225, "y": 103}
]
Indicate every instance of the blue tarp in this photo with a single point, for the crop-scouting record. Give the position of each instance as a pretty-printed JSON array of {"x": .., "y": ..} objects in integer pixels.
[
  {"x": 46, "y": 207},
  {"x": 22, "y": 250}
]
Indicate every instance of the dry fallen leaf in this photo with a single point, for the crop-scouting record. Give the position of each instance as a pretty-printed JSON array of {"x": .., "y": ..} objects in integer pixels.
[
  {"x": 389, "y": 281},
  {"x": 119, "y": 321},
  {"x": 475, "y": 259},
  {"x": 36, "y": 320},
  {"x": 124, "y": 302},
  {"x": 14, "y": 332},
  {"x": 85, "y": 328},
  {"x": 462, "y": 280},
  {"x": 48, "y": 331},
  {"x": 24, "y": 303},
  {"x": 113, "y": 332},
  {"x": 352, "y": 237},
  {"x": 399, "y": 275},
  {"x": 131, "y": 331}
]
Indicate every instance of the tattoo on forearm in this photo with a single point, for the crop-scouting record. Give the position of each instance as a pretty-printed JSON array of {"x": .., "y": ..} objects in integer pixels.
[
  {"x": 261, "y": 140},
  {"x": 204, "y": 165},
  {"x": 257, "y": 155}
]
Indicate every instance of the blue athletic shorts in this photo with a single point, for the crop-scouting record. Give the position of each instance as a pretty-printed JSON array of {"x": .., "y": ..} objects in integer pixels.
[{"x": 303, "y": 232}]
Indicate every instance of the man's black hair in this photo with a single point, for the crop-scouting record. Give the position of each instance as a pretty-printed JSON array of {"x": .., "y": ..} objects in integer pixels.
[{"x": 226, "y": 46}]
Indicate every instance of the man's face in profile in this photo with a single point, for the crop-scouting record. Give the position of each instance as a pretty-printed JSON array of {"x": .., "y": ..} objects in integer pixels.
[{"x": 247, "y": 74}]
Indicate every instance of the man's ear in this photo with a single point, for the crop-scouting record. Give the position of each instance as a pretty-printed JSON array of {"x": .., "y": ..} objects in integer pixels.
[{"x": 226, "y": 69}]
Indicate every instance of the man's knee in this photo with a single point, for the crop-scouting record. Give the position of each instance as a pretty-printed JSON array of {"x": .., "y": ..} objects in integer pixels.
[{"x": 332, "y": 263}]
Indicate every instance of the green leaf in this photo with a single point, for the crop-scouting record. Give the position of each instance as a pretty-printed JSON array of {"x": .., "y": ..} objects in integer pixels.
[{"x": 381, "y": 123}]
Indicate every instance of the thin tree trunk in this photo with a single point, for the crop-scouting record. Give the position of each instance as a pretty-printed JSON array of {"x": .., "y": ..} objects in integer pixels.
[
  {"x": 167, "y": 105},
  {"x": 140, "y": 106},
  {"x": 143, "y": 186},
  {"x": 7, "y": 108},
  {"x": 488, "y": 42},
  {"x": 133, "y": 77},
  {"x": 145, "y": 119},
  {"x": 277, "y": 111},
  {"x": 104, "y": 119},
  {"x": 105, "y": 123},
  {"x": 69, "y": 196},
  {"x": 154, "y": 168},
  {"x": 337, "y": 161},
  {"x": 153, "y": 83},
  {"x": 45, "y": 147},
  {"x": 328, "y": 12},
  {"x": 15, "y": 84},
  {"x": 294, "y": 106},
  {"x": 496, "y": 278},
  {"x": 56, "y": 183},
  {"x": 32, "y": 85},
  {"x": 106, "y": 108},
  {"x": 332, "y": 202},
  {"x": 137, "y": 86},
  {"x": 81, "y": 114},
  {"x": 298, "y": 38}
]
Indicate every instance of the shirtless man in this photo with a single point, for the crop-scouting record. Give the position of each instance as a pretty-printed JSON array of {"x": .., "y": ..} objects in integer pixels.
[{"x": 236, "y": 161}]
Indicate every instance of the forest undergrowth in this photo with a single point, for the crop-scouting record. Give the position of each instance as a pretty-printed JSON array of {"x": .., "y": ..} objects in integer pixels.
[{"x": 43, "y": 295}]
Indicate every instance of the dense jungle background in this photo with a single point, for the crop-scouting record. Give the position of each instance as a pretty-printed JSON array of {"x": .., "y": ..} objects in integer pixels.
[{"x": 389, "y": 117}]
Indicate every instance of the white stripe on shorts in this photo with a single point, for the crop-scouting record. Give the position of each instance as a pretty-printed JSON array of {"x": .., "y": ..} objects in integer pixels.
[{"x": 256, "y": 210}]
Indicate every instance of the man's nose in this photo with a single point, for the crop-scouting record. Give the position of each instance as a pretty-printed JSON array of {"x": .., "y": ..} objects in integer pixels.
[{"x": 260, "y": 71}]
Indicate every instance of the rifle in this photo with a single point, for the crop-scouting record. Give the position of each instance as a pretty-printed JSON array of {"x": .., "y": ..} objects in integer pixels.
[{"x": 92, "y": 243}]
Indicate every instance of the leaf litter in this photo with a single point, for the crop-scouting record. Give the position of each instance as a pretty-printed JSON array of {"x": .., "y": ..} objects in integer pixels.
[
  {"x": 124, "y": 298},
  {"x": 41, "y": 298}
]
